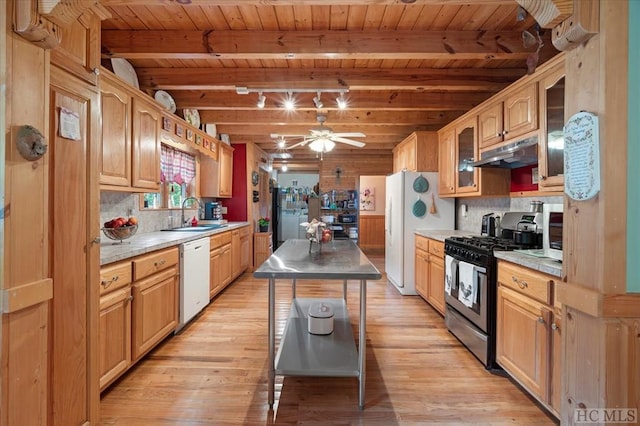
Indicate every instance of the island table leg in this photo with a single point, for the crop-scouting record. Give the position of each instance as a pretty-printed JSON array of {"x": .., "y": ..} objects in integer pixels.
[
  {"x": 272, "y": 342},
  {"x": 362, "y": 342}
]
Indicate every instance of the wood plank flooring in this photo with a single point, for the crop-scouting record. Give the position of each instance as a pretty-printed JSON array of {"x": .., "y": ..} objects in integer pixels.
[{"x": 215, "y": 371}]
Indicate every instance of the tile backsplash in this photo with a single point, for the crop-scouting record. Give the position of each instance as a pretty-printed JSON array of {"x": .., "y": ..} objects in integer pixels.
[
  {"x": 478, "y": 207},
  {"x": 115, "y": 204}
]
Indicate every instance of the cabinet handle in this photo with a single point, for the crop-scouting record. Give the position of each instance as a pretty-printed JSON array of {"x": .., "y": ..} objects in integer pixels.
[
  {"x": 543, "y": 177},
  {"x": 160, "y": 263},
  {"x": 106, "y": 284},
  {"x": 96, "y": 71},
  {"x": 554, "y": 326},
  {"x": 96, "y": 240},
  {"x": 129, "y": 299},
  {"x": 522, "y": 284},
  {"x": 540, "y": 320},
  {"x": 498, "y": 134},
  {"x": 505, "y": 132}
]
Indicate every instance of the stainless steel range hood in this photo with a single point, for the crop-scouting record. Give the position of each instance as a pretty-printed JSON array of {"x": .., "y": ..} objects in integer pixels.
[{"x": 517, "y": 154}]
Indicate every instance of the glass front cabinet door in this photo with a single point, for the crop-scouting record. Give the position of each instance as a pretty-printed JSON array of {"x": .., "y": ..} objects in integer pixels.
[
  {"x": 551, "y": 155},
  {"x": 466, "y": 151}
]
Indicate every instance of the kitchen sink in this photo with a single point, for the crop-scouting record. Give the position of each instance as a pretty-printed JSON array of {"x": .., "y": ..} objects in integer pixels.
[{"x": 199, "y": 228}]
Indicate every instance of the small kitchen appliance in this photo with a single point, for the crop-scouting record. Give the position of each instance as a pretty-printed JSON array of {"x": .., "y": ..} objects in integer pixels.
[
  {"x": 320, "y": 318},
  {"x": 212, "y": 211},
  {"x": 488, "y": 225}
]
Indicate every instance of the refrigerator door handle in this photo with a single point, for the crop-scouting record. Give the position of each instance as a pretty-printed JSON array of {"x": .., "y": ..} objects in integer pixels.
[{"x": 387, "y": 218}]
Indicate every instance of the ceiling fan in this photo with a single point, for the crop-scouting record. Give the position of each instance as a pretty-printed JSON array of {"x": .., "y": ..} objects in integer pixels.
[{"x": 322, "y": 139}]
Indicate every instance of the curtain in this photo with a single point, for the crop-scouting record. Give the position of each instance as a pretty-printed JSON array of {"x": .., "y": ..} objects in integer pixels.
[{"x": 176, "y": 166}]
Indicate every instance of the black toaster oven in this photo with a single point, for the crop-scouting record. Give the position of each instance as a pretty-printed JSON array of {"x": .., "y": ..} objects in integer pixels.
[{"x": 347, "y": 218}]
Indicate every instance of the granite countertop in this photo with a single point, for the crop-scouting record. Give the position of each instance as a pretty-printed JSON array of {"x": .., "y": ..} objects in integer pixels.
[
  {"x": 111, "y": 251},
  {"x": 337, "y": 260},
  {"x": 542, "y": 264}
]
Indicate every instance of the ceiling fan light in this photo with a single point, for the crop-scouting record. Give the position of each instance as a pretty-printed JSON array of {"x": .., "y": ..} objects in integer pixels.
[
  {"x": 322, "y": 145},
  {"x": 284, "y": 168},
  {"x": 282, "y": 143}
]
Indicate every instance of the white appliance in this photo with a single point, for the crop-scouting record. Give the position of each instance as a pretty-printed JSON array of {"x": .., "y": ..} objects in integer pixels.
[
  {"x": 403, "y": 217},
  {"x": 194, "y": 279}
]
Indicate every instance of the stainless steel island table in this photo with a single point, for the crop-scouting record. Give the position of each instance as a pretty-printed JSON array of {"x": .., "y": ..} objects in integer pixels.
[{"x": 301, "y": 353}]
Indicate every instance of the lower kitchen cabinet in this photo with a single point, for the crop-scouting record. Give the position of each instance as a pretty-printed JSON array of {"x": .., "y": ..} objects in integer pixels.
[
  {"x": 262, "y": 247},
  {"x": 220, "y": 263},
  {"x": 115, "y": 335},
  {"x": 239, "y": 251},
  {"x": 528, "y": 335},
  {"x": 429, "y": 271},
  {"x": 155, "y": 310}
]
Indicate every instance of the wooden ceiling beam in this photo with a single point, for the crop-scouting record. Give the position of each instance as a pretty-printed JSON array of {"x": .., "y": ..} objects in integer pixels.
[
  {"x": 187, "y": 3},
  {"x": 345, "y": 117},
  {"x": 249, "y": 44},
  {"x": 421, "y": 79},
  {"x": 264, "y": 130},
  {"x": 358, "y": 101}
]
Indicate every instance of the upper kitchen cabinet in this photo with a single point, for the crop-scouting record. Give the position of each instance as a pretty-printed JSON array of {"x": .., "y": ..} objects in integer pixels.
[
  {"x": 510, "y": 117},
  {"x": 417, "y": 153},
  {"x": 551, "y": 143},
  {"x": 79, "y": 50},
  {"x": 446, "y": 161},
  {"x": 459, "y": 150},
  {"x": 216, "y": 177},
  {"x": 130, "y": 138}
]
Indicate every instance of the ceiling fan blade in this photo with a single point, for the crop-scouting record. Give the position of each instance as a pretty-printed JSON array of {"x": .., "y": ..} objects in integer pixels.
[
  {"x": 350, "y": 135},
  {"x": 348, "y": 141},
  {"x": 302, "y": 143}
]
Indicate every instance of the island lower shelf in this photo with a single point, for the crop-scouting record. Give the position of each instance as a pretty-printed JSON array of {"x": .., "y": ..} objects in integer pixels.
[{"x": 301, "y": 353}]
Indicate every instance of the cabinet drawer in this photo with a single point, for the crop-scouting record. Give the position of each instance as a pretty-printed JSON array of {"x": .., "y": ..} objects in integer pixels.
[
  {"x": 148, "y": 264},
  {"x": 115, "y": 276},
  {"x": 219, "y": 240},
  {"x": 422, "y": 243},
  {"x": 436, "y": 248},
  {"x": 244, "y": 232},
  {"x": 536, "y": 285}
]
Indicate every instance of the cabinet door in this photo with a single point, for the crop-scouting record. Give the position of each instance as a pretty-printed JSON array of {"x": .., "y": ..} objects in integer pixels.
[
  {"x": 225, "y": 265},
  {"x": 447, "y": 163},
  {"x": 490, "y": 129},
  {"x": 556, "y": 366},
  {"x": 436, "y": 283},
  {"x": 215, "y": 276},
  {"x": 521, "y": 111},
  {"x": 523, "y": 340},
  {"x": 115, "y": 164},
  {"x": 421, "y": 273},
  {"x": 226, "y": 171},
  {"x": 551, "y": 147},
  {"x": 146, "y": 145},
  {"x": 466, "y": 154},
  {"x": 115, "y": 335},
  {"x": 155, "y": 310},
  {"x": 79, "y": 49},
  {"x": 410, "y": 154},
  {"x": 244, "y": 253},
  {"x": 235, "y": 253}
]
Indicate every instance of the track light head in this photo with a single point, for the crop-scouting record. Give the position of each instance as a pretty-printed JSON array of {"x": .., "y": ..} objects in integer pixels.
[
  {"x": 261, "y": 100},
  {"x": 289, "y": 102},
  {"x": 317, "y": 102},
  {"x": 342, "y": 102}
]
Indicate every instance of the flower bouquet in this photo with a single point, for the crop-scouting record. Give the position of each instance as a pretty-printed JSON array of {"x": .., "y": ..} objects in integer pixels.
[{"x": 317, "y": 232}]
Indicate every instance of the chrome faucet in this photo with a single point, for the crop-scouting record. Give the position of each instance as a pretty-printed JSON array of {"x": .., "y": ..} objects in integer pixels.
[{"x": 182, "y": 221}]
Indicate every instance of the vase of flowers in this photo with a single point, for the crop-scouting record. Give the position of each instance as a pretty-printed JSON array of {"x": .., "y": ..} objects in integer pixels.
[{"x": 263, "y": 224}]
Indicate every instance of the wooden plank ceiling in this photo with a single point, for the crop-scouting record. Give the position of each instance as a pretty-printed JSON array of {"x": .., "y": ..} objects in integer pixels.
[{"x": 407, "y": 65}]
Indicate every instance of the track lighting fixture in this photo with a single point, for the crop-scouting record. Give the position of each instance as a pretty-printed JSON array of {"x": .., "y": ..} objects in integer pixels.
[
  {"x": 284, "y": 167},
  {"x": 342, "y": 102},
  {"x": 317, "y": 102},
  {"x": 261, "y": 100},
  {"x": 289, "y": 103},
  {"x": 281, "y": 143}
]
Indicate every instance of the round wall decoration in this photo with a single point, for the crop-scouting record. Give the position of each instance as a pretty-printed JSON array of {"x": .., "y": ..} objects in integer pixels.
[{"x": 255, "y": 178}]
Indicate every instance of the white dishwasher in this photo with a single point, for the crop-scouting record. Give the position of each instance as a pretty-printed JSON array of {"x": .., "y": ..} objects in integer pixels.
[{"x": 194, "y": 279}]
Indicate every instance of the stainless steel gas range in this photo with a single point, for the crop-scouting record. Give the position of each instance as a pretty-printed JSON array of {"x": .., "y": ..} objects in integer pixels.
[{"x": 471, "y": 291}]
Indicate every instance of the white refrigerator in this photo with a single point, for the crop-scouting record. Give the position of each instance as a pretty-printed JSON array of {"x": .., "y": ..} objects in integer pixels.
[{"x": 410, "y": 199}]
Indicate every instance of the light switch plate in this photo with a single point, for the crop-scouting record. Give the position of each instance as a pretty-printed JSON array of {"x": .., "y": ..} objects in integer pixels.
[{"x": 534, "y": 175}]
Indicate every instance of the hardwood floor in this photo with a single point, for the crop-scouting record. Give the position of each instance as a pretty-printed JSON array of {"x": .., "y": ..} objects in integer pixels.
[{"x": 215, "y": 371}]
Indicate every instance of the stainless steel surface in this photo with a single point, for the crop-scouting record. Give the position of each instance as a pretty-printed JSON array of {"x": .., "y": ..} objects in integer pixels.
[
  {"x": 536, "y": 206},
  {"x": 200, "y": 206},
  {"x": 339, "y": 260},
  {"x": 510, "y": 219},
  {"x": 478, "y": 318},
  {"x": 467, "y": 333},
  {"x": 516, "y": 154}
]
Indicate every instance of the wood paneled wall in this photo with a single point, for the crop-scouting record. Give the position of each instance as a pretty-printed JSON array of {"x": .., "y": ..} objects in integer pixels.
[
  {"x": 352, "y": 168},
  {"x": 601, "y": 347},
  {"x": 26, "y": 286},
  {"x": 371, "y": 232}
]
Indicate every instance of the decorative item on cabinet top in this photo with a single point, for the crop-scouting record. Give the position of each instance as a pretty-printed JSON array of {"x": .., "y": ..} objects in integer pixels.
[{"x": 181, "y": 132}]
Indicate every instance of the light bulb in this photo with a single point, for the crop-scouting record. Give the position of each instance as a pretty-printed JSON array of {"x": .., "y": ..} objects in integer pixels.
[
  {"x": 261, "y": 100},
  {"x": 342, "y": 102},
  {"x": 289, "y": 103},
  {"x": 284, "y": 168}
]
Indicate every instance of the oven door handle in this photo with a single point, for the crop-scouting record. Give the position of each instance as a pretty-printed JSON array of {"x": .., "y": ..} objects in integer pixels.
[{"x": 455, "y": 266}]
